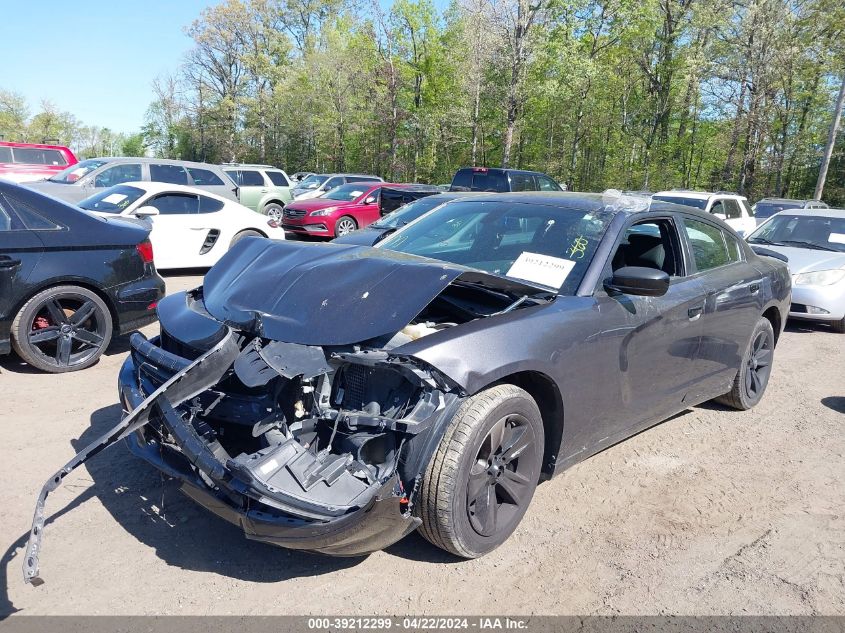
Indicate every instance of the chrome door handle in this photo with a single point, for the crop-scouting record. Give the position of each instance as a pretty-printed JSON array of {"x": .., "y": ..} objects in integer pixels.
[{"x": 695, "y": 313}]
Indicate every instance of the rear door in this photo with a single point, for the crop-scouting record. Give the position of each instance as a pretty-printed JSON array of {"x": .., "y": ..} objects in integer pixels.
[
  {"x": 253, "y": 187},
  {"x": 20, "y": 251},
  {"x": 733, "y": 302}
]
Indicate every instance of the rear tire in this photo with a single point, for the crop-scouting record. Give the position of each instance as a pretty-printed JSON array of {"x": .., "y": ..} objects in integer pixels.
[
  {"x": 242, "y": 235},
  {"x": 62, "y": 329},
  {"x": 483, "y": 474},
  {"x": 752, "y": 378}
]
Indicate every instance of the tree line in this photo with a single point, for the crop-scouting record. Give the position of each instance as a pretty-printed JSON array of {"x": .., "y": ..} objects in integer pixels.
[{"x": 632, "y": 94}]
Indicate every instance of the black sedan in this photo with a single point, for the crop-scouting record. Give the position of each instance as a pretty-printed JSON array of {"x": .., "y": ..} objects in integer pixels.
[
  {"x": 69, "y": 280},
  {"x": 335, "y": 397}
]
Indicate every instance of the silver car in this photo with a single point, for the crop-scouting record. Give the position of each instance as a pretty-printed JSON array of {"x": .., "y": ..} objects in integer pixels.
[
  {"x": 814, "y": 242},
  {"x": 316, "y": 185},
  {"x": 90, "y": 176}
]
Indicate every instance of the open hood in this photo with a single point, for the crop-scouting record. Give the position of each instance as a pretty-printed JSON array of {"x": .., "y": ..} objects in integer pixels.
[{"x": 329, "y": 294}]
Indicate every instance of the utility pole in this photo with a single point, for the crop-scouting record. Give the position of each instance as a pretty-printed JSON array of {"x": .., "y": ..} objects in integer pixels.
[{"x": 831, "y": 141}]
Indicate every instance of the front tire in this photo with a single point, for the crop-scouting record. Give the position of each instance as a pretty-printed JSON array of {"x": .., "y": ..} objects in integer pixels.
[
  {"x": 273, "y": 211},
  {"x": 482, "y": 477},
  {"x": 344, "y": 225},
  {"x": 753, "y": 376},
  {"x": 62, "y": 329}
]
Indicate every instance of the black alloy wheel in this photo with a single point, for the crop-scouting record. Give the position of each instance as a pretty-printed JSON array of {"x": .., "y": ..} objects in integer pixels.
[{"x": 62, "y": 329}]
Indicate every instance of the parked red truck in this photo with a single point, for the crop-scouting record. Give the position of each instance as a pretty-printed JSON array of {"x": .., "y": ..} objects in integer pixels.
[{"x": 25, "y": 162}]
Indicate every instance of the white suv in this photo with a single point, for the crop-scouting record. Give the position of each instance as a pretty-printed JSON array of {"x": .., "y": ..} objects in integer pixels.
[{"x": 730, "y": 207}]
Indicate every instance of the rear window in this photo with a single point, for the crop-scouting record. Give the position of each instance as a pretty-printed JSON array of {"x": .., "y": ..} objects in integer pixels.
[
  {"x": 478, "y": 180},
  {"x": 278, "y": 178},
  {"x": 690, "y": 202},
  {"x": 204, "y": 177},
  {"x": 768, "y": 209},
  {"x": 38, "y": 156}
]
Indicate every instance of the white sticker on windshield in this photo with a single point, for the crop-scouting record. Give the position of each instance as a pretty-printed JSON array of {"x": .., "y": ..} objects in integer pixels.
[
  {"x": 356, "y": 193},
  {"x": 114, "y": 198},
  {"x": 836, "y": 238},
  {"x": 541, "y": 269}
]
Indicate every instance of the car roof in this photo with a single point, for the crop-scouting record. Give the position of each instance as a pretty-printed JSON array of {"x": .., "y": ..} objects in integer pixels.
[
  {"x": 162, "y": 187},
  {"x": 146, "y": 159},
  {"x": 823, "y": 213},
  {"x": 788, "y": 200},
  {"x": 346, "y": 174},
  {"x": 250, "y": 165},
  {"x": 32, "y": 145},
  {"x": 697, "y": 195}
]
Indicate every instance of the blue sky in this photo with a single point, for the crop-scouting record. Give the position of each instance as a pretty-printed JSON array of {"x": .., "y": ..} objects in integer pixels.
[{"x": 94, "y": 58}]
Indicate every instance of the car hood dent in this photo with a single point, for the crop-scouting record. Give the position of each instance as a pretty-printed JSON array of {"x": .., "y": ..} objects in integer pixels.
[{"x": 328, "y": 294}]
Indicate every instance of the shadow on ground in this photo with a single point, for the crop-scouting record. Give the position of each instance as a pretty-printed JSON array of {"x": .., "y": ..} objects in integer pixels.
[{"x": 837, "y": 403}]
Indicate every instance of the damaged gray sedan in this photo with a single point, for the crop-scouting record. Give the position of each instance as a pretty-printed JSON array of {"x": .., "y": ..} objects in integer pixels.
[{"x": 334, "y": 398}]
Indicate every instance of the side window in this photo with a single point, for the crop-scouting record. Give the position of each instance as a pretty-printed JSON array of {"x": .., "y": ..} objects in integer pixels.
[
  {"x": 175, "y": 204},
  {"x": 718, "y": 208},
  {"x": 278, "y": 178},
  {"x": 204, "y": 177},
  {"x": 5, "y": 219},
  {"x": 111, "y": 176},
  {"x": 29, "y": 218},
  {"x": 250, "y": 178},
  {"x": 173, "y": 174},
  {"x": 708, "y": 245},
  {"x": 547, "y": 184},
  {"x": 5, "y": 154},
  {"x": 333, "y": 182},
  {"x": 521, "y": 182},
  {"x": 462, "y": 180},
  {"x": 734, "y": 250},
  {"x": 732, "y": 210},
  {"x": 234, "y": 175},
  {"x": 749, "y": 210},
  {"x": 210, "y": 205},
  {"x": 650, "y": 244},
  {"x": 38, "y": 156}
]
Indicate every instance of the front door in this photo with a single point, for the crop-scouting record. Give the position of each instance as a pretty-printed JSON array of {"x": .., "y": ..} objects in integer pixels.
[{"x": 179, "y": 231}]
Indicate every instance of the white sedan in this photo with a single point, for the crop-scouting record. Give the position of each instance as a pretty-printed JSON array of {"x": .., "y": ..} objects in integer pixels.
[{"x": 191, "y": 228}]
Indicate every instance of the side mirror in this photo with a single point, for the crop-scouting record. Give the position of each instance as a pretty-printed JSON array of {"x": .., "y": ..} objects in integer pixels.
[
  {"x": 637, "y": 280},
  {"x": 146, "y": 211},
  {"x": 370, "y": 200}
]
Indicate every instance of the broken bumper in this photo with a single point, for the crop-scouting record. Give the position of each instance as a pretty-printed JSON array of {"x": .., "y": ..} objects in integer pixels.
[{"x": 379, "y": 523}]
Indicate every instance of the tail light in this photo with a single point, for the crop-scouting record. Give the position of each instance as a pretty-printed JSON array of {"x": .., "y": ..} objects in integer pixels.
[{"x": 145, "y": 250}]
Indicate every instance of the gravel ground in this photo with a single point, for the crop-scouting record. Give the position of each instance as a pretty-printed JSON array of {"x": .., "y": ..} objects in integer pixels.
[{"x": 712, "y": 512}]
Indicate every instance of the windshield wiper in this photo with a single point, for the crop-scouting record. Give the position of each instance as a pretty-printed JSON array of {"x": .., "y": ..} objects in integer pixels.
[
  {"x": 763, "y": 240},
  {"x": 817, "y": 247}
]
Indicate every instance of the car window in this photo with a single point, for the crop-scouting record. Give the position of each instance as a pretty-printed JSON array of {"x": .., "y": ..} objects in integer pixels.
[
  {"x": 718, "y": 208},
  {"x": 747, "y": 207},
  {"x": 31, "y": 219},
  {"x": 38, "y": 156},
  {"x": 489, "y": 181},
  {"x": 650, "y": 244},
  {"x": 708, "y": 245},
  {"x": 204, "y": 177},
  {"x": 5, "y": 154},
  {"x": 462, "y": 180},
  {"x": 112, "y": 200},
  {"x": 73, "y": 173},
  {"x": 332, "y": 183},
  {"x": 361, "y": 179},
  {"x": 522, "y": 182},
  {"x": 734, "y": 249},
  {"x": 251, "y": 178},
  {"x": 117, "y": 174},
  {"x": 532, "y": 242},
  {"x": 173, "y": 174},
  {"x": 175, "y": 203},
  {"x": 690, "y": 202},
  {"x": 349, "y": 192},
  {"x": 732, "y": 210},
  {"x": 547, "y": 184},
  {"x": 815, "y": 232},
  {"x": 277, "y": 178},
  {"x": 210, "y": 205}
]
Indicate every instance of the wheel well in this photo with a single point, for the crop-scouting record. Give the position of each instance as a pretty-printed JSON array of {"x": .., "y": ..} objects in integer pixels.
[
  {"x": 279, "y": 202},
  {"x": 773, "y": 315},
  {"x": 548, "y": 399},
  {"x": 259, "y": 231},
  {"x": 72, "y": 282}
]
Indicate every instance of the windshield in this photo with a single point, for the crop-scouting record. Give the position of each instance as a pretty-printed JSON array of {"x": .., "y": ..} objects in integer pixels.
[
  {"x": 815, "y": 232},
  {"x": 768, "y": 209},
  {"x": 349, "y": 192},
  {"x": 690, "y": 202},
  {"x": 77, "y": 171},
  {"x": 112, "y": 200},
  {"x": 409, "y": 212},
  {"x": 528, "y": 241},
  {"x": 312, "y": 182}
]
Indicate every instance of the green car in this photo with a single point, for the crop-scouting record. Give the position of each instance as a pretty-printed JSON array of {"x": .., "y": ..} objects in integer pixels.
[{"x": 262, "y": 188}]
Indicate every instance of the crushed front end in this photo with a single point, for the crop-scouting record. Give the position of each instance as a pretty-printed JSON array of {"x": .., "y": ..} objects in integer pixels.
[{"x": 302, "y": 446}]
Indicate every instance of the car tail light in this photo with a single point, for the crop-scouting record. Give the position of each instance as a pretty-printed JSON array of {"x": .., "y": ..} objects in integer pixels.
[{"x": 145, "y": 250}]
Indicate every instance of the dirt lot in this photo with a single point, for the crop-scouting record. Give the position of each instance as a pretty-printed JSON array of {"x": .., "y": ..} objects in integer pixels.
[{"x": 713, "y": 512}]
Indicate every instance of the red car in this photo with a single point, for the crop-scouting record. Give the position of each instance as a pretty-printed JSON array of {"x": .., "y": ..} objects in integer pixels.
[
  {"x": 338, "y": 212},
  {"x": 24, "y": 162}
]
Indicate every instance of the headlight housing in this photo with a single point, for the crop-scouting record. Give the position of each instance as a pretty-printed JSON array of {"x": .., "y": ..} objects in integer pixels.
[
  {"x": 819, "y": 278},
  {"x": 326, "y": 211}
]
